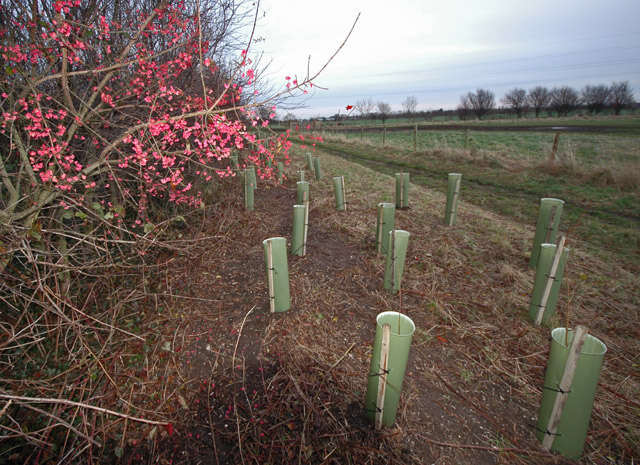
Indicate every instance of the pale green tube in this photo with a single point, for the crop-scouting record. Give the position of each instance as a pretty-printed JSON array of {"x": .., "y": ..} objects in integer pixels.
[
  {"x": 309, "y": 159},
  {"x": 234, "y": 162},
  {"x": 546, "y": 227},
  {"x": 248, "y": 191},
  {"x": 402, "y": 329},
  {"x": 251, "y": 173},
  {"x": 402, "y": 190},
  {"x": 316, "y": 168},
  {"x": 280, "y": 172},
  {"x": 275, "y": 254},
  {"x": 301, "y": 188},
  {"x": 396, "y": 255},
  {"x": 574, "y": 422},
  {"x": 543, "y": 269},
  {"x": 300, "y": 175},
  {"x": 338, "y": 184},
  {"x": 297, "y": 240},
  {"x": 453, "y": 194},
  {"x": 386, "y": 221}
]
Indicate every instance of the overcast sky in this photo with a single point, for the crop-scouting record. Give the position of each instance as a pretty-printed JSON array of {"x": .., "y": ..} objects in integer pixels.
[{"x": 438, "y": 50}]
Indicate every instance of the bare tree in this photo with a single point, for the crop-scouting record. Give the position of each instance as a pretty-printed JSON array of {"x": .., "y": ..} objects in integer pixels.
[
  {"x": 384, "y": 110},
  {"x": 595, "y": 97},
  {"x": 409, "y": 105},
  {"x": 539, "y": 98},
  {"x": 482, "y": 101},
  {"x": 564, "y": 99},
  {"x": 365, "y": 106},
  {"x": 621, "y": 96},
  {"x": 464, "y": 107},
  {"x": 517, "y": 100}
]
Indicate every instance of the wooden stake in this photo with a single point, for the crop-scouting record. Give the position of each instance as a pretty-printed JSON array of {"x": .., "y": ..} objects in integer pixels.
[
  {"x": 382, "y": 375},
  {"x": 272, "y": 293},
  {"x": 565, "y": 386},
  {"x": 550, "y": 280},
  {"x": 393, "y": 259},
  {"x": 380, "y": 228},
  {"x": 554, "y": 149}
]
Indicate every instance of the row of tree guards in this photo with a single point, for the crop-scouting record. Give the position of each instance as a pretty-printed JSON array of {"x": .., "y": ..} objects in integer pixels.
[{"x": 575, "y": 359}]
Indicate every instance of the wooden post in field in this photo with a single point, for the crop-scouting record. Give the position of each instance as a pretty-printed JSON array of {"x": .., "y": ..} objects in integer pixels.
[{"x": 554, "y": 149}]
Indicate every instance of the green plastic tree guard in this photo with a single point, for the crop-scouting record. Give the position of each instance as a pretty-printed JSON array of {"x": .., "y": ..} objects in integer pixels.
[
  {"x": 453, "y": 194},
  {"x": 547, "y": 276},
  {"x": 400, "y": 335},
  {"x": 386, "y": 222},
  {"x": 309, "y": 159},
  {"x": 234, "y": 162},
  {"x": 338, "y": 184},
  {"x": 297, "y": 240},
  {"x": 402, "y": 190},
  {"x": 316, "y": 168},
  {"x": 301, "y": 188},
  {"x": 249, "y": 189},
  {"x": 396, "y": 255},
  {"x": 300, "y": 175},
  {"x": 572, "y": 429},
  {"x": 280, "y": 172},
  {"x": 547, "y": 226},
  {"x": 251, "y": 173},
  {"x": 275, "y": 257}
]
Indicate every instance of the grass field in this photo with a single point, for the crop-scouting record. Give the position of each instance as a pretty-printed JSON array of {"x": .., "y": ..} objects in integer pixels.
[{"x": 597, "y": 175}]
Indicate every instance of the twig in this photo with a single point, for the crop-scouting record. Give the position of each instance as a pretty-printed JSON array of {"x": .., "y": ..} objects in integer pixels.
[
  {"x": 46, "y": 400},
  {"x": 233, "y": 358},
  {"x": 343, "y": 356},
  {"x": 514, "y": 450}
]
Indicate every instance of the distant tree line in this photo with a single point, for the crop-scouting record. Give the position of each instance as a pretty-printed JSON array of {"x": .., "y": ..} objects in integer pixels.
[{"x": 561, "y": 100}]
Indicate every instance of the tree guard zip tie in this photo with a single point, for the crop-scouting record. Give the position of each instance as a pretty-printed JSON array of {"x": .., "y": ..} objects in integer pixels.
[
  {"x": 338, "y": 184},
  {"x": 280, "y": 172},
  {"x": 248, "y": 191},
  {"x": 386, "y": 221},
  {"x": 543, "y": 303},
  {"x": 316, "y": 168},
  {"x": 402, "y": 190},
  {"x": 570, "y": 385},
  {"x": 297, "y": 238},
  {"x": 453, "y": 194},
  {"x": 301, "y": 188},
  {"x": 396, "y": 255},
  {"x": 555, "y": 275},
  {"x": 388, "y": 366},
  {"x": 546, "y": 227},
  {"x": 275, "y": 257}
]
